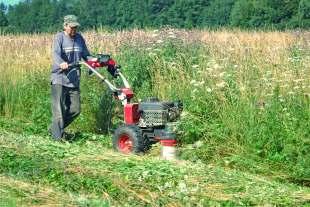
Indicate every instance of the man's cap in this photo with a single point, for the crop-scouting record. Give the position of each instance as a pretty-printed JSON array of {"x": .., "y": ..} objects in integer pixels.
[{"x": 71, "y": 21}]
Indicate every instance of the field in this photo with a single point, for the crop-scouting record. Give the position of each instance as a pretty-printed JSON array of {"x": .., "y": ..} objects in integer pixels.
[{"x": 244, "y": 135}]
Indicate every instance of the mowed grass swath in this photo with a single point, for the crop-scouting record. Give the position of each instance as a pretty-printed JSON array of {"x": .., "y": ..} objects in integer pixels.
[
  {"x": 246, "y": 94},
  {"x": 36, "y": 171}
]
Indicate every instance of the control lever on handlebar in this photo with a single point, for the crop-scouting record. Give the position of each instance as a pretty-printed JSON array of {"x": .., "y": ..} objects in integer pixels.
[
  {"x": 124, "y": 94},
  {"x": 74, "y": 65},
  {"x": 114, "y": 70}
]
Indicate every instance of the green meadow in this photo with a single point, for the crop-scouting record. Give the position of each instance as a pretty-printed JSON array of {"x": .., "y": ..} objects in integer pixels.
[{"x": 243, "y": 137}]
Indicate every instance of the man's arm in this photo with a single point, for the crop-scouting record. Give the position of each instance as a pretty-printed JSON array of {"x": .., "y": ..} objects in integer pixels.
[{"x": 57, "y": 59}]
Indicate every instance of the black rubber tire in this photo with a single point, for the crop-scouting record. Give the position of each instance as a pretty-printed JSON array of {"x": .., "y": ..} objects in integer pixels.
[{"x": 140, "y": 143}]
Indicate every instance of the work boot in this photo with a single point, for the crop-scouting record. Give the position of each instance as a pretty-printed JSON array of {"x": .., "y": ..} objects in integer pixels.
[
  {"x": 60, "y": 139},
  {"x": 68, "y": 136}
]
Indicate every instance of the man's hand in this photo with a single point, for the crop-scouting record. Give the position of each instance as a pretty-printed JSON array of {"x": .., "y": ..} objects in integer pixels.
[
  {"x": 90, "y": 58},
  {"x": 64, "y": 66}
]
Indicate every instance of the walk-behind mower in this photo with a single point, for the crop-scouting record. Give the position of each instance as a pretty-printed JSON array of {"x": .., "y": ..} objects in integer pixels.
[{"x": 146, "y": 122}]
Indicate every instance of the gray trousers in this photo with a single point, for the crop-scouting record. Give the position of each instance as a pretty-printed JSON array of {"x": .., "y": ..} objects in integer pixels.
[{"x": 66, "y": 106}]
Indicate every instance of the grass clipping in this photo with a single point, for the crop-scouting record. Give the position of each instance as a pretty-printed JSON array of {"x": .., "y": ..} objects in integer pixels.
[{"x": 35, "y": 170}]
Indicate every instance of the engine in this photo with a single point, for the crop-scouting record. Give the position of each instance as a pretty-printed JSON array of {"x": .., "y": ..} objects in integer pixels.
[{"x": 154, "y": 113}]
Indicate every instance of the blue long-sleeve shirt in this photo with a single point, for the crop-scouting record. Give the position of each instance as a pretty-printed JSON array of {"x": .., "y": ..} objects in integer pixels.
[{"x": 70, "y": 50}]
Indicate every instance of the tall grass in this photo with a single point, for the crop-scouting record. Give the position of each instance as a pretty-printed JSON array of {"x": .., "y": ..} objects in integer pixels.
[{"x": 246, "y": 94}]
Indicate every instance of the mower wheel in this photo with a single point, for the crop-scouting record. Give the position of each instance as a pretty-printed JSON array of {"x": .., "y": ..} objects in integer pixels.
[{"x": 129, "y": 139}]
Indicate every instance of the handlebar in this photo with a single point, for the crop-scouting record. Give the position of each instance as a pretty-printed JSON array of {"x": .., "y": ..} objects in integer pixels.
[
  {"x": 109, "y": 84},
  {"x": 73, "y": 65}
]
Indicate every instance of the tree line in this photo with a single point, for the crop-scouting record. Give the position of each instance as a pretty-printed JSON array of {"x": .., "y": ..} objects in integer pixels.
[{"x": 30, "y": 16}]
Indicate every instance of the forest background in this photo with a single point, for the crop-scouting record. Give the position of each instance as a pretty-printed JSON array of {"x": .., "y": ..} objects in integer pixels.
[{"x": 32, "y": 16}]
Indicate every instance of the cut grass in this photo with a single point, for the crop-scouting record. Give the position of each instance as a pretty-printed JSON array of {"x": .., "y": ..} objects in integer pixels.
[
  {"x": 15, "y": 192},
  {"x": 37, "y": 171}
]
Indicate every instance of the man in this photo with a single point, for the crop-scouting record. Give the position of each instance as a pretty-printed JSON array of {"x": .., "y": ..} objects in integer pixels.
[{"x": 68, "y": 49}]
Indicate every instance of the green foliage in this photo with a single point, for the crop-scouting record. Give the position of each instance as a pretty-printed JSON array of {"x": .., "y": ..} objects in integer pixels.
[
  {"x": 284, "y": 10},
  {"x": 304, "y": 14},
  {"x": 304, "y": 9},
  {"x": 253, "y": 14},
  {"x": 45, "y": 16},
  {"x": 40, "y": 16},
  {"x": 137, "y": 68},
  {"x": 34, "y": 169},
  {"x": 3, "y": 19},
  {"x": 218, "y": 13},
  {"x": 224, "y": 122}
]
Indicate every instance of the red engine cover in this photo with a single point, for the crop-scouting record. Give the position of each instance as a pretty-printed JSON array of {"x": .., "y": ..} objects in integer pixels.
[
  {"x": 131, "y": 114},
  {"x": 94, "y": 64},
  {"x": 128, "y": 93}
]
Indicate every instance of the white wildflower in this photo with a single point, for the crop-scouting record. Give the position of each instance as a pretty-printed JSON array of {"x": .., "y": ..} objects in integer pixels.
[
  {"x": 197, "y": 84},
  {"x": 198, "y": 144},
  {"x": 298, "y": 80},
  {"x": 154, "y": 35},
  {"x": 222, "y": 74},
  {"x": 167, "y": 185},
  {"x": 221, "y": 84},
  {"x": 145, "y": 173},
  {"x": 182, "y": 187},
  {"x": 184, "y": 114},
  {"x": 193, "y": 82},
  {"x": 171, "y": 33},
  {"x": 173, "y": 63},
  {"x": 216, "y": 66},
  {"x": 209, "y": 90}
]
